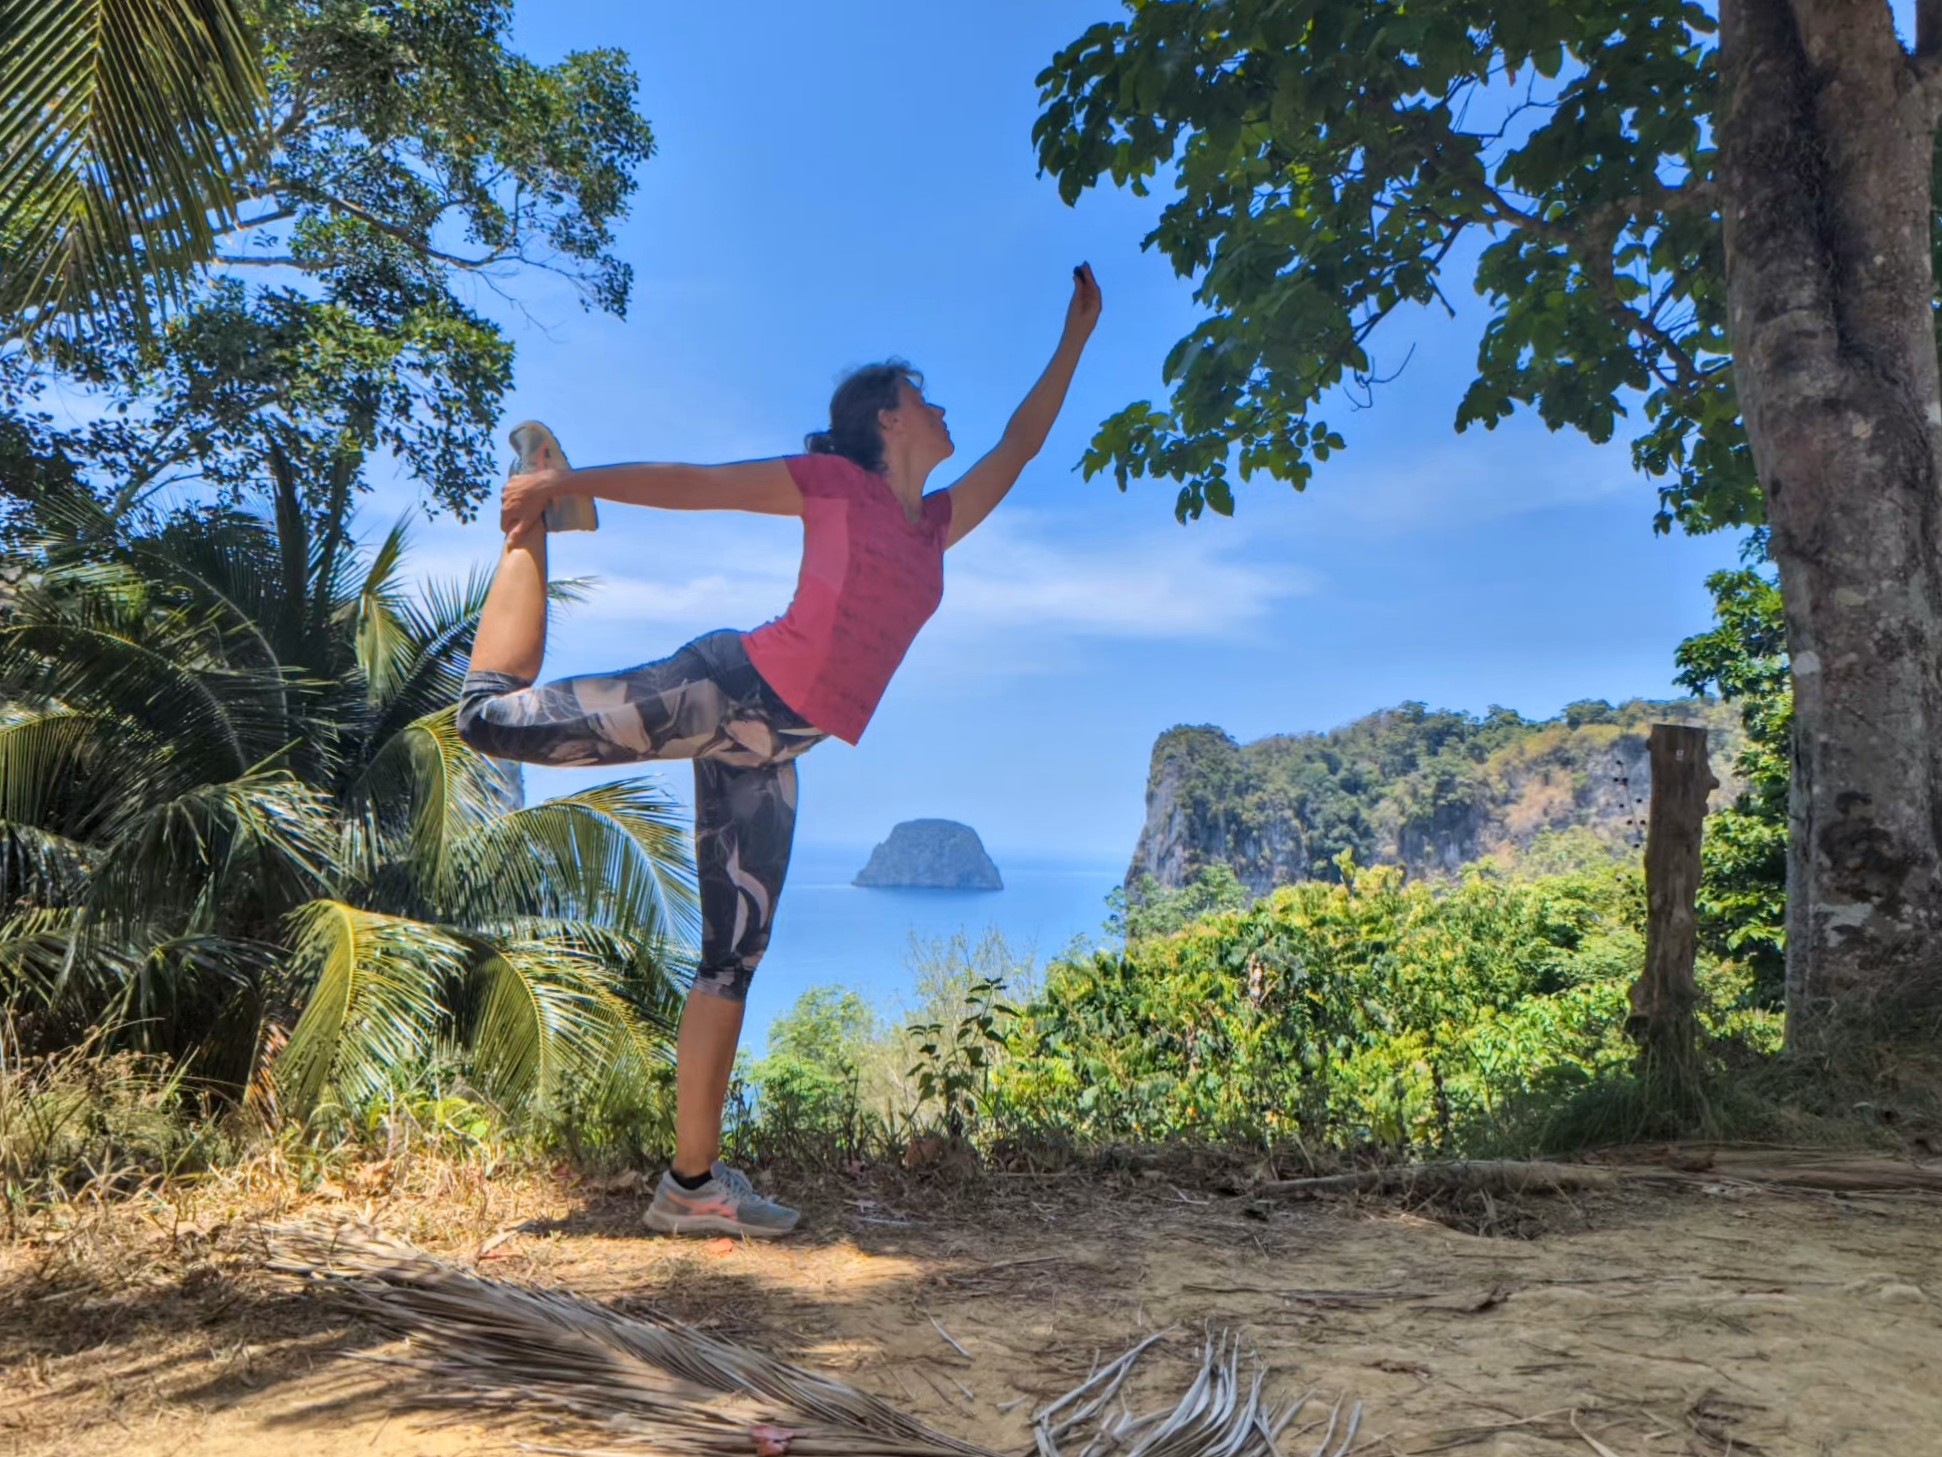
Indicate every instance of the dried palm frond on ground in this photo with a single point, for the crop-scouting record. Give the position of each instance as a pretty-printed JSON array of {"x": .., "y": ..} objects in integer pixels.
[{"x": 671, "y": 1388}]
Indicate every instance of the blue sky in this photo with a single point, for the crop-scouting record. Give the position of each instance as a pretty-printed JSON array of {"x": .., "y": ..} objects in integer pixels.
[{"x": 844, "y": 181}]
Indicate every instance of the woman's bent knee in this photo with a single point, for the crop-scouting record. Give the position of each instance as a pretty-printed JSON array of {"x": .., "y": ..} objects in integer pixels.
[
  {"x": 477, "y": 724},
  {"x": 729, "y": 982}
]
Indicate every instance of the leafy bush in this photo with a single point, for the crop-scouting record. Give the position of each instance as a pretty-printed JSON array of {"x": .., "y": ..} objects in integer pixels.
[
  {"x": 955, "y": 1059},
  {"x": 1152, "y": 909},
  {"x": 809, "y": 1100},
  {"x": 1368, "y": 1013}
]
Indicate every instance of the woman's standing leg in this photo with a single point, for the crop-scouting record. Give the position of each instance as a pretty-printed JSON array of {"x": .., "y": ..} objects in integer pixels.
[
  {"x": 745, "y": 821},
  {"x": 704, "y": 1062}
]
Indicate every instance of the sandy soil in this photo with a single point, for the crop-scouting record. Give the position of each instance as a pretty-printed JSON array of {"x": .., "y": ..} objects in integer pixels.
[{"x": 1720, "y": 1318}]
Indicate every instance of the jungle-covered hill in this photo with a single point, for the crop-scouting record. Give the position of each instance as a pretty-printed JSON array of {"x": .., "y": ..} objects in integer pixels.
[{"x": 1427, "y": 789}]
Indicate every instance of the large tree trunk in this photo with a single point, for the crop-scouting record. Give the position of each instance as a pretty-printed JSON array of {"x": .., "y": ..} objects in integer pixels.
[{"x": 1826, "y": 133}]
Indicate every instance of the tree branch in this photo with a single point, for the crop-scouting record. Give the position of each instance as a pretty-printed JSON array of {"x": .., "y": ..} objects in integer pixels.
[
  {"x": 261, "y": 220},
  {"x": 1529, "y": 222},
  {"x": 298, "y": 114},
  {"x": 411, "y": 240},
  {"x": 1591, "y": 242},
  {"x": 1685, "y": 369}
]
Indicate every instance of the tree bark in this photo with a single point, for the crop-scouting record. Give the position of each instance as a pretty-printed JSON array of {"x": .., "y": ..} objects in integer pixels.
[
  {"x": 1826, "y": 134},
  {"x": 1665, "y": 999}
]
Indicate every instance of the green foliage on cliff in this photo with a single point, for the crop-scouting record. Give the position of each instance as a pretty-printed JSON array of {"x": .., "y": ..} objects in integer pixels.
[
  {"x": 1430, "y": 790},
  {"x": 1151, "y": 909}
]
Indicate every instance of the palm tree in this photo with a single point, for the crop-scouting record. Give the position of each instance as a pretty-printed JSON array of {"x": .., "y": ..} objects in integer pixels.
[
  {"x": 235, "y": 811},
  {"x": 125, "y": 129}
]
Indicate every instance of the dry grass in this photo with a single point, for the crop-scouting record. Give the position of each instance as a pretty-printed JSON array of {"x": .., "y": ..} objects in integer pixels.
[{"x": 82, "y": 1127}]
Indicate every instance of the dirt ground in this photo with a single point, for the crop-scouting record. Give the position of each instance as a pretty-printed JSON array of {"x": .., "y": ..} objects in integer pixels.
[{"x": 1720, "y": 1317}]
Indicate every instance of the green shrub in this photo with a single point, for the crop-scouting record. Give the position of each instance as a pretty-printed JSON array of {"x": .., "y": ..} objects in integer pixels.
[
  {"x": 808, "y": 1094},
  {"x": 1365, "y": 1014}
]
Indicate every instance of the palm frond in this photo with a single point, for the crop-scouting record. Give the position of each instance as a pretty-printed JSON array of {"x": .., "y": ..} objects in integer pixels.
[
  {"x": 543, "y": 1011},
  {"x": 651, "y": 973},
  {"x": 378, "y": 622},
  {"x": 38, "y": 954},
  {"x": 126, "y": 127},
  {"x": 431, "y": 671},
  {"x": 226, "y": 563},
  {"x": 616, "y": 854},
  {"x": 198, "y": 999},
  {"x": 103, "y": 591},
  {"x": 667, "y": 1386},
  {"x": 439, "y": 629},
  {"x": 638, "y": 1042},
  {"x": 40, "y": 867},
  {"x": 65, "y": 522},
  {"x": 220, "y": 720},
  {"x": 446, "y": 607},
  {"x": 188, "y": 860},
  {"x": 374, "y": 998},
  {"x": 53, "y": 774},
  {"x": 422, "y": 792}
]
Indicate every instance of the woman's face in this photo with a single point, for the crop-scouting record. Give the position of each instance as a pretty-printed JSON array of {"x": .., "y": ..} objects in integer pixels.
[{"x": 917, "y": 426}]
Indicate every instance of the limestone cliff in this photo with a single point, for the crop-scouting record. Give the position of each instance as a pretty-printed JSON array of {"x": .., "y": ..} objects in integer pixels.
[
  {"x": 1430, "y": 791},
  {"x": 931, "y": 855}
]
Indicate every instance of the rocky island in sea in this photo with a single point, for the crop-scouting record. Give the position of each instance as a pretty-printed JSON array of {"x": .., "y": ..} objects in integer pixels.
[{"x": 930, "y": 855}]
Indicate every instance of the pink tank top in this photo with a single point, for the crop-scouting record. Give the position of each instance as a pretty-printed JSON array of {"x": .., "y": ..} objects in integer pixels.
[{"x": 870, "y": 579}]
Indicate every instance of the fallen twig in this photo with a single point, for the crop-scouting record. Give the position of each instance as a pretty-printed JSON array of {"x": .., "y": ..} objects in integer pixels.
[{"x": 950, "y": 1339}]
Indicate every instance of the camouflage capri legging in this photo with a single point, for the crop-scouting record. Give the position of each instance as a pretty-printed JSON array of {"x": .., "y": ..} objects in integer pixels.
[{"x": 705, "y": 703}]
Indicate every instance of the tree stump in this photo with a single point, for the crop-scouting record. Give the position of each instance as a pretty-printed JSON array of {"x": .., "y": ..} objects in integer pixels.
[{"x": 1665, "y": 998}]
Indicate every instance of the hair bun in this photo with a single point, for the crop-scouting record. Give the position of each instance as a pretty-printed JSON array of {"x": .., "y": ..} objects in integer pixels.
[{"x": 855, "y": 430}]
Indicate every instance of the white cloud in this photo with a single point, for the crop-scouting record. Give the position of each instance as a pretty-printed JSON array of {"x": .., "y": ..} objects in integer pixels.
[
  {"x": 1063, "y": 576},
  {"x": 1054, "y": 576},
  {"x": 1025, "y": 592},
  {"x": 690, "y": 571},
  {"x": 1518, "y": 469}
]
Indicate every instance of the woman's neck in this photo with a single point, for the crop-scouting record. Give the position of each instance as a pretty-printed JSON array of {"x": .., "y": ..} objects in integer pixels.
[{"x": 907, "y": 478}]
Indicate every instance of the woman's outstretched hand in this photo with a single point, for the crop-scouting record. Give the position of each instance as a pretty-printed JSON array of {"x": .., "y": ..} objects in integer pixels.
[{"x": 1083, "y": 312}]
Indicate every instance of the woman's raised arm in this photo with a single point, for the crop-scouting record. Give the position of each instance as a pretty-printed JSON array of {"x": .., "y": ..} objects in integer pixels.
[
  {"x": 978, "y": 493},
  {"x": 762, "y": 486}
]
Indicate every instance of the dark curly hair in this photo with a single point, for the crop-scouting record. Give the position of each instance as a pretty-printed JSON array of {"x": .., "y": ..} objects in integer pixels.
[{"x": 854, "y": 432}]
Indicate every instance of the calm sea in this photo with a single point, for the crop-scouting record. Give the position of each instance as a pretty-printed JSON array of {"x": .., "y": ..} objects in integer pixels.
[{"x": 831, "y": 933}]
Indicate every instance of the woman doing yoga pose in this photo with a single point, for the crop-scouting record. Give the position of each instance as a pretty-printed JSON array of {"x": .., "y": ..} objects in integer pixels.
[{"x": 744, "y": 706}]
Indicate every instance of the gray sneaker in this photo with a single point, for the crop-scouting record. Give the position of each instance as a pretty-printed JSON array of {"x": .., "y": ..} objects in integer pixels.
[
  {"x": 538, "y": 449},
  {"x": 726, "y": 1204}
]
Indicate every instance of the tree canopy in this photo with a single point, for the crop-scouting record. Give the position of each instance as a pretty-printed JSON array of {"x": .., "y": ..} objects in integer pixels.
[
  {"x": 1325, "y": 160},
  {"x": 414, "y": 160},
  {"x": 234, "y": 809}
]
